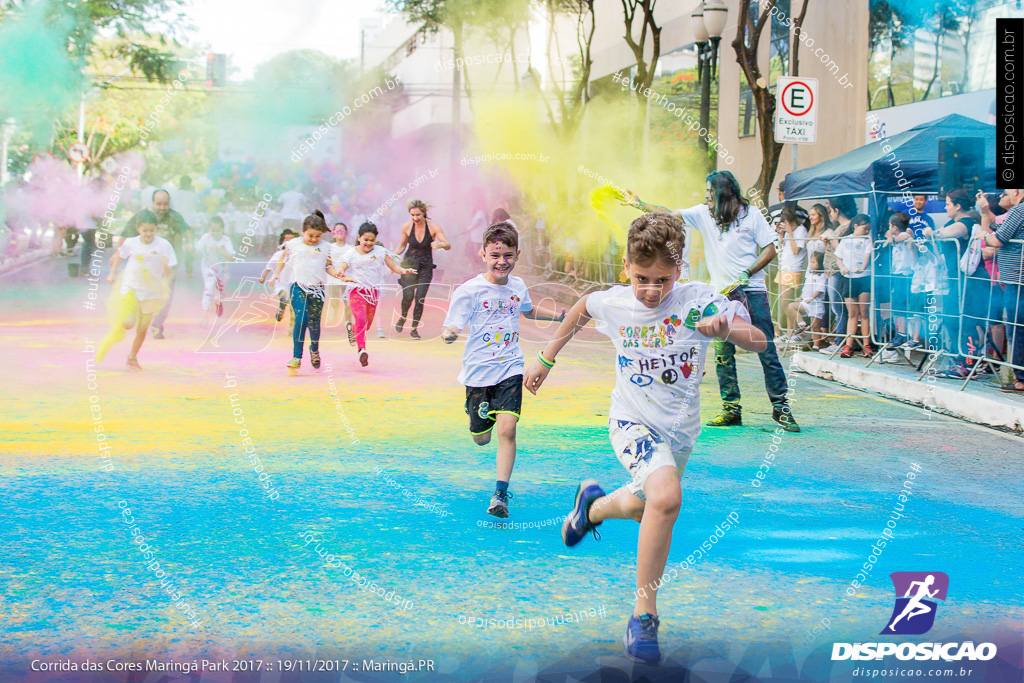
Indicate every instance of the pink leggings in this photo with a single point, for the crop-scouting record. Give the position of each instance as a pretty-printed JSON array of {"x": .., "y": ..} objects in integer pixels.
[{"x": 362, "y": 312}]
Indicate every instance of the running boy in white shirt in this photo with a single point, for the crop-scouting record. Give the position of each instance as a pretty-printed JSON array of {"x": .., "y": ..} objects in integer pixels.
[
  {"x": 661, "y": 330},
  {"x": 492, "y": 364},
  {"x": 283, "y": 283},
  {"x": 149, "y": 262},
  {"x": 215, "y": 250}
]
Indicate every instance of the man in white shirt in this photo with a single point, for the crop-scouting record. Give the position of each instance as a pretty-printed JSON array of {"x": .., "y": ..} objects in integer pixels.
[{"x": 738, "y": 244}]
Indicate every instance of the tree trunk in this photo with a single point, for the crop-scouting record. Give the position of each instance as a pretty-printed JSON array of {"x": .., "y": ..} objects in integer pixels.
[
  {"x": 935, "y": 71},
  {"x": 764, "y": 102},
  {"x": 644, "y": 70},
  {"x": 794, "y": 61}
]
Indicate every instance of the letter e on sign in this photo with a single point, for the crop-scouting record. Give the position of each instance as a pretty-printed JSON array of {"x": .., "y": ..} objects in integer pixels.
[{"x": 796, "y": 110}]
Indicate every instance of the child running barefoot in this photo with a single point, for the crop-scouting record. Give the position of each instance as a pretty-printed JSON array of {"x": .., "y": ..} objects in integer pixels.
[
  {"x": 364, "y": 265},
  {"x": 492, "y": 364},
  {"x": 149, "y": 260},
  {"x": 661, "y": 330},
  {"x": 310, "y": 264},
  {"x": 284, "y": 282},
  {"x": 215, "y": 249}
]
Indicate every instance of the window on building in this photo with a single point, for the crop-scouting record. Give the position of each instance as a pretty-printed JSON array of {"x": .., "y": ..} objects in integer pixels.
[{"x": 748, "y": 115}]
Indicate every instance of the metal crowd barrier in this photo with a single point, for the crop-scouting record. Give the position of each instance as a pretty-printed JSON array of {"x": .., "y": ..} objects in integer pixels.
[{"x": 956, "y": 316}]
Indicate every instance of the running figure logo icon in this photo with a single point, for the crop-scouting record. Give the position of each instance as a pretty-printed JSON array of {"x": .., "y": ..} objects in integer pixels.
[{"x": 914, "y": 613}]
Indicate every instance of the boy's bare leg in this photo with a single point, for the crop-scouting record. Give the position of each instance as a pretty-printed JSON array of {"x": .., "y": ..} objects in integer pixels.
[
  {"x": 619, "y": 504},
  {"x": 140, "y": 334},
  {"x": 664, "y": 496},
  {"x": 505, "y": 426}
]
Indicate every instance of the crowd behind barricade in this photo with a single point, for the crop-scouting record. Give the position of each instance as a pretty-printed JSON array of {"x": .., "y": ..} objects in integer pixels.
[{"x": 847, "y": 284}]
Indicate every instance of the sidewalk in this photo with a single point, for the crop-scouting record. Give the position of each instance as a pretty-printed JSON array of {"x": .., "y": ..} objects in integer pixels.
[
  {"x": 981, "y": 401},
  {"x": 25, "y": 258}
]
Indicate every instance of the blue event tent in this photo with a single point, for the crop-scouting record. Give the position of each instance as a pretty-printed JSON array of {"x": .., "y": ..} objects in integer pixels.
[{"x": 874, "y": 168}]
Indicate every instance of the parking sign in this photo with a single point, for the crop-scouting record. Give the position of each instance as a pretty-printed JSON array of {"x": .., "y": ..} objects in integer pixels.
[{"x": 796, "y": 109}]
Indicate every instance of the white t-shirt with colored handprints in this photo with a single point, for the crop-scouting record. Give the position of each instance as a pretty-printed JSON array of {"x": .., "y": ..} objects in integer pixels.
[
  {"x": 144, "y": 266},
  {"x": 308, "y": 262},
  {"x": 660, "y": 357},
  {"x": 491, "y": 312},
  {"x": 730, "y": 253}
]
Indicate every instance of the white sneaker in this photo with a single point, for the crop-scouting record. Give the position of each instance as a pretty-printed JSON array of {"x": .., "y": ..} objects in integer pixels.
[
  {"x": 781, "y": 339},
  {"x": 380, "y": 333},
  {"x": 797, "y": 339},
  {"x": 890, "y": 356},
  {"x": 830, "y": 349}
]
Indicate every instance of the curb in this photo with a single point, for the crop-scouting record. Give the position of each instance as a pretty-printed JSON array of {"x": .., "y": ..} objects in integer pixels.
[
  {"x": 13, "y": 263},
  {"x": 973, "y": 404}
]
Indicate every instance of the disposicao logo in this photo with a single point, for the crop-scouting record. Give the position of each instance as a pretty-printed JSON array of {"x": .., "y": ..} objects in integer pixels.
[{"x": 914, "y": 615}]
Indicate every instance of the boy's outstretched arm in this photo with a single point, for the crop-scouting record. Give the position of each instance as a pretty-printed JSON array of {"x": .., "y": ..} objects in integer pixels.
[
  {"x": 573, "y": 323},
  {"x": 115, "y": 261},
  {"x": 738, "y": 331},
  {"x": 539, "y": 312}
]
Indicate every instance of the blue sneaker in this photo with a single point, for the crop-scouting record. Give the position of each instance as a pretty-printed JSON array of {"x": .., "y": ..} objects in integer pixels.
[
  {"x": 641, "y": 639},
  {"x": 576, "y": 524}
]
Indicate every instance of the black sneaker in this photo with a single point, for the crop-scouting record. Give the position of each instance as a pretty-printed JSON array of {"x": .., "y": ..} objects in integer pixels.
[
  {"x": 314, "y": 359},
  {"x": 726, "y": 418},
  {"x": 158, "y": 333},
  {"x": 499, "y": 504},
  {"x": 786, "y": 421},
  {"x": 414, "y": 334},
  {"x": 400, "y": 324},
  {"x": 280, "y": 311}
]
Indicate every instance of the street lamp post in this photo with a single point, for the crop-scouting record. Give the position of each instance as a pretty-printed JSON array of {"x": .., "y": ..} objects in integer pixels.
[{"x": 708, "y": 22}]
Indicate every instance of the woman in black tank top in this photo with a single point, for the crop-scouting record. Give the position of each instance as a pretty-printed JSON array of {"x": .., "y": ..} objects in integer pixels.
[{"x": 421, "y": 235}]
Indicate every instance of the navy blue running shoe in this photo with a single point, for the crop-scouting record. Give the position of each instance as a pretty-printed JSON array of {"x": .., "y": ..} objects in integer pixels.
[
  {"x": 641, "y": 639},
  {"x": 576, "y": 524}
]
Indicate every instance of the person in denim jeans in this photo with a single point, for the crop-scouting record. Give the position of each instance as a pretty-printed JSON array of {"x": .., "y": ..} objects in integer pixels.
[
  {"x": 1011, "y": 273},
  {"x": 738, "y": 245}
]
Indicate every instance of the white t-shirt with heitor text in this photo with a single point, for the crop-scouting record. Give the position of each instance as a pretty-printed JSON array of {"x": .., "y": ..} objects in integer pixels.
[
  {"x": 144, "y": 266},
  {"x": 492, "y": 314},
  {"x": 659, "y": 355},
  {"x": 731, "y": 252}
]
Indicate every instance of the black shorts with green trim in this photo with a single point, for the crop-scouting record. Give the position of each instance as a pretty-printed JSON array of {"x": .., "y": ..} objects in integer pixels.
[{"x": 483, "y": 403}]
